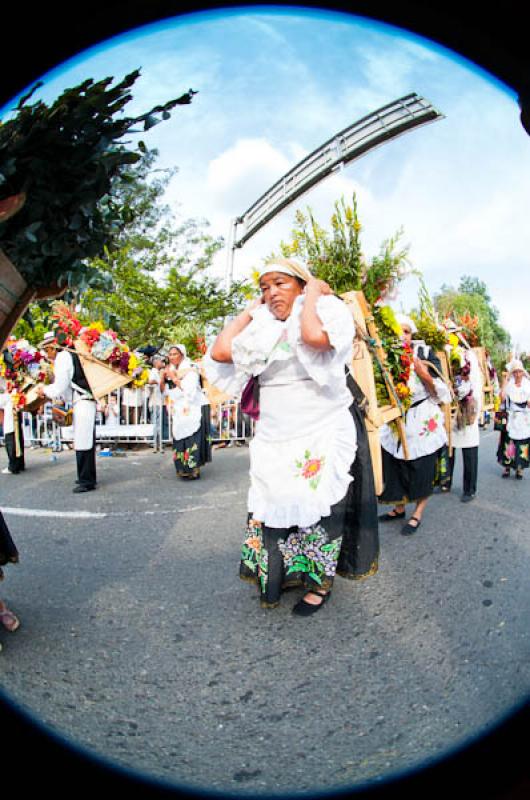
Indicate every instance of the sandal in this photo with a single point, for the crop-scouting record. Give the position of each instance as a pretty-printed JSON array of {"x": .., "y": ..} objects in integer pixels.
[
  {"x": 409, "y": 529},
  {"x": 9, "y": 620},
  {"x": 390, "y": 515},
  {"x": 519, "y": 475},
  {"x": 506, "y": 473},
  {"x": 304, "y": 609}
]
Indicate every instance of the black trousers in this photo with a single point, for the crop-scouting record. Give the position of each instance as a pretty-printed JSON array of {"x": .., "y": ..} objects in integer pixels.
[
  {"x": 86, "y": 466},
  {"x": 470, "y": 457},
  {"x": 16, "y": 463}
]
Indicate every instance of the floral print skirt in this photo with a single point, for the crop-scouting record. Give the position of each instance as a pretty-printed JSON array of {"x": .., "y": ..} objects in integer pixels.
[
  {"x": 192, "y": 452},
  {"x": 513, "y": 453},
  {"x": 277, "y": 559}
]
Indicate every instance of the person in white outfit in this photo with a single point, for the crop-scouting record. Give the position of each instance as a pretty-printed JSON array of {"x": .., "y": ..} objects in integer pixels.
[
  {"x": 71, "y": 385},
  {"x": 294, "y": 343},
  {"x": 465, "y": 434},
  {"x": 514, "y": 448},
  {"x": 13, "y": 436},
  {"x": 181, "y": 382},
  {"x": 411, "y": 480}
]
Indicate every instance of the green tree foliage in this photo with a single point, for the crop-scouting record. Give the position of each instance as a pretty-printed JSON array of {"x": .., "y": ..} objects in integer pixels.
[
  {"x": 335, "y": 255},
  {"x": 154, "y": 285},
  {"x": 68, "y": 160},
  {"x": 472, "y": 300}
]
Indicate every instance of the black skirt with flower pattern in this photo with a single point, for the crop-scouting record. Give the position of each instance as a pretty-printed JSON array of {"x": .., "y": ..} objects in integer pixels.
[
  {"x": 344, "y": 543},
  {"x": 194, "y": 451}
]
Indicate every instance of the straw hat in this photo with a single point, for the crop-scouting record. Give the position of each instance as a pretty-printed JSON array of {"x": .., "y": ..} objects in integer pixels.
[{"x": 49, "y": 338}]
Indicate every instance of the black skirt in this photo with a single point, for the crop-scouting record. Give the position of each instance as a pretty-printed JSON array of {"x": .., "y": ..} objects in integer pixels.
[
  {"x": 194, "y": 451},
  {"x": 8, "y": 550},
  {"x": 359, "y": 552},
  {"x": 408, "y": 481}
]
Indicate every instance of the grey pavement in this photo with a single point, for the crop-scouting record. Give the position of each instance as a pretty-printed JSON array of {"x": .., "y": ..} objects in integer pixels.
[{"x": 140, "y": 643}]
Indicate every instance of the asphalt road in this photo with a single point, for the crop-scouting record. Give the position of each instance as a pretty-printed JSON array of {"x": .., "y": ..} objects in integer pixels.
[{"x": 139, "y": 642}]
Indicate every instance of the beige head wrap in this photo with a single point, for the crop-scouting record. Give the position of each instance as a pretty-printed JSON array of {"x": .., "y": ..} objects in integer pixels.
[{"x": 288, "y": 266}]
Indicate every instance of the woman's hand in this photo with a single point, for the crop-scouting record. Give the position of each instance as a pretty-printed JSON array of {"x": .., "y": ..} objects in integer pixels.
[
  {"x": 421, "y": 370},
  {"x": 256, "y": 303},
  {"x": 315, "y": 286}
]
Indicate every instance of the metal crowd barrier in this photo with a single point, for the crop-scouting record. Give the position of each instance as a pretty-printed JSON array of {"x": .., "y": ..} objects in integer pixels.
[{"x": 127, "y": 417}]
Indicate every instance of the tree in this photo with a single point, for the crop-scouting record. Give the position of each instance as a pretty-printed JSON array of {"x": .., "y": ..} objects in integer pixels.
[
  {"x": 66, "y": 161},
  {"x": 153, "y": 286},
  {"x": 335, "y": 255},
  {"x": 471, "y": 306}
]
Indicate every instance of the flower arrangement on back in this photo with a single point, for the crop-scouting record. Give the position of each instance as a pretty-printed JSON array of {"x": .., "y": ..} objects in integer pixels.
[{"x": 101, "y": 343}]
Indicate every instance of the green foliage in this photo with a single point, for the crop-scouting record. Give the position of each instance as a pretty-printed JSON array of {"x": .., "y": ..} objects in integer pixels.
[
  {"x": 153, "y": 285},
  {"x": 426, "y": 319},
  {"x": 472, "y": 299},
  {"x": 335, "y": 255},
  {"x": 69, "y": 160}
]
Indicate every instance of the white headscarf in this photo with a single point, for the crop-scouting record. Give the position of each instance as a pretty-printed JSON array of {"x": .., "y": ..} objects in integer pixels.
[
  {"x": 404, "y": 320},
  {"x": 288, "y": 266},
  {"x": 179, "y": 347},
  {"x": 514, "y": 364}
]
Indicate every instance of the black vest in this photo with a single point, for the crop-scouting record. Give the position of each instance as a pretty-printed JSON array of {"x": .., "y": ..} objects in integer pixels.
[{"x": 79, "y": 374}]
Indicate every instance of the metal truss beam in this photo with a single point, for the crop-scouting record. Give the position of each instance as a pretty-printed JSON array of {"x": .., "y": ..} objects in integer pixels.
[{"x": 375, "y": 129}]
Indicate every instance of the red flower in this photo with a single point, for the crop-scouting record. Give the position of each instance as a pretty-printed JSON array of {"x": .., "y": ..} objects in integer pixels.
[{"x": 432, "y": 424}]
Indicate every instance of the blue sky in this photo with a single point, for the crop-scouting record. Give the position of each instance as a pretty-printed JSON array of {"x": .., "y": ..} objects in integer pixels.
[{"x": 274, "y": 84}]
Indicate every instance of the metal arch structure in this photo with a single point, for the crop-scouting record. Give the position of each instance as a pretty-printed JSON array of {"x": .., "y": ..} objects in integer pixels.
[{"x": 375, "y": 129}]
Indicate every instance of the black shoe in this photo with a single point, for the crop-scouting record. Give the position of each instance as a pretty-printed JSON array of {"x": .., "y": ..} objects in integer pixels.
[
  {"x": 82, "y": 488},
  {"x": 408, "y": 529},
  {"x": 519, "y": 476},
  {"x": 467, "y": 498},
  {"x": 388, "y": 517},
  {"x": 304, "y": 609}
]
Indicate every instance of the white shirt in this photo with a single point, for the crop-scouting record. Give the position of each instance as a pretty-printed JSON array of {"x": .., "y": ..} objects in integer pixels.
[
  {"x": 7, "y": 404},
  {"x": 518, "y": 418},
  {"x": 186, "y": 401},
  {"x": 305, "y": 439},
  {"x": 424, "y": 422}
]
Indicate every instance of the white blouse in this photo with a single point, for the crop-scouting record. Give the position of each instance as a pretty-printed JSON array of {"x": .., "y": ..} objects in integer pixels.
[
  {"x": 424, "y": 421},
  {"x": 7, "y": 404},
  {"x": 518, "y": 418},
  {"x": 469, "y": 436},
  {"x": 305, "y": 438},
  {"x": 186, "y": 402}
]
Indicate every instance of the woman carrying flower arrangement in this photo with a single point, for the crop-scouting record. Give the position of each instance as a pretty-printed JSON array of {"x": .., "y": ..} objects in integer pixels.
[
  {"x": 295, "y": 340},
  {"x": 181, "y": 382},
  {"x": 411, "y": 480},
  {"x": 514, "y": 447},
  {"x": 465, "y": 435}
]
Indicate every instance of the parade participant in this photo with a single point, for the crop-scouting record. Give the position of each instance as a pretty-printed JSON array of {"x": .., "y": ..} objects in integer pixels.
[
  {"x": 13, "y": 436},
  {"x": 411, "y": 480},
  {"x": 514, "y": 447},
  {"x": 180, "y": 380},
  {"x": 156, "y": 401},
  {"x": 465, "y": 435},
  {"x": 292, "y": 345},
  {"x": 8, "y": 554},
  {"x": 70, "y": 383}
]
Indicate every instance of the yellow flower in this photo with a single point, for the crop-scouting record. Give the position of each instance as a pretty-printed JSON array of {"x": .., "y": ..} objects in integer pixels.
[
  {"x": 453, "y": 340},
  {"x": 133, "y": 363},
  {"x": 98, "y": 326}
]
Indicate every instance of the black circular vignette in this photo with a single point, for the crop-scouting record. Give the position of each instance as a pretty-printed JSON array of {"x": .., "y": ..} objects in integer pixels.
[{"x": 37, "y": 39}]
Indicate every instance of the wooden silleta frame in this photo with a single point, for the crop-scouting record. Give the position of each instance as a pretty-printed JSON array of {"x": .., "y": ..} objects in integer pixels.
[{"x": 367, "y": 347}]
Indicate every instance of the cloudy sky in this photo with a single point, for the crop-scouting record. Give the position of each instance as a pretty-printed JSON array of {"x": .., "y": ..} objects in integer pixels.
[{"x": 274, "y": 85}]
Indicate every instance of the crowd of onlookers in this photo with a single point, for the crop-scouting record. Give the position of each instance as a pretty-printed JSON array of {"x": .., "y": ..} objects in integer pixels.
[{"x": 143, "y": 406}]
